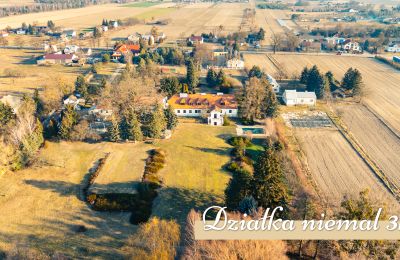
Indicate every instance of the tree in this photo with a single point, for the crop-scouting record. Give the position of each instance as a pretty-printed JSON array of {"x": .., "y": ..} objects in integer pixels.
[
  {"x": 331, "y": 79},
  {"x": 304, "y": 76},
  {"x": 293, "y": 41},
  {"x": 358, "y": 84},
  {"x": 277, "y": 41},
  {"x": 255, "y": 71},
  {"x": 170, "y": 85},
  {"x": 6, "y": 114},
  {"x": 269, "y": 186},
  {"x": 106, "y": 57},
  {"x": 39, "y": 104},
  {"x": 96, "y": 32},
  {"x": 261, "y": 34},
  {"x": 192, "y": 78},
  {"x": 157, "y": 123},
  {"x": 221, "y": 78},
  {"x": 171, "y": 118},
  {"x": 211, "y": 78},
  {"x": 363, "y": 209},
  {"x": 252, "y": 102},
  {"x": 81, "y": 86},
  {"x": 113, "y": 132},
  {"x": 51, "y": 25},
  {"x": 68, "y": 119},
  {"x": 238, "y": 188},
  {"x": 130, "y": 128},
  {"x": 248, "y": 205},
  {"x": 271, "y": 103},
  {"x": 347, "y": 81},
  {"x": 315, "y": 81}
]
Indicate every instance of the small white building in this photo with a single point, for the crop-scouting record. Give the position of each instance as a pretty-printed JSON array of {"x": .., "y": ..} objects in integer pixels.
[
  {"x": 75, "y": 102},
  {"x": 275, "y": 85},
  {"x": 212, "y": 107},
  {"x": 216, "y": 117},
  {"x": 70, "y": 33},
  {"x": 294, "y": 98},
  {"x": 71, "y": 49},
  {"x": 3, "y": 34},
  {"x": 235, "y": 64},
  {"x": 393, "y": 48},
  {"x": 352, "y": 46},
  {"x": 20, "y": 32},
  {"x": 104, "y": 28}
]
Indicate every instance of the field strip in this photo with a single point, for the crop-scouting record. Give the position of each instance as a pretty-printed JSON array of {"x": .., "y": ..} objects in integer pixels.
[
  {"x": 392, "y": 188},
  {"x": 383, "y": 121}
]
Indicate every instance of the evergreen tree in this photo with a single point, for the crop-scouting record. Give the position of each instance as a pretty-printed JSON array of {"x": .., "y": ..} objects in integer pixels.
[
  {"x": 331, "y": 79},
  {"x": 6, "y": 114},
  {"x": 304, "y": 76},
  {"x": 185, "y": 88},
  {"x": 248, "y": 205},
  {"x": 157, "y": 123},
  {"x": 69, "y": 119},
  {"x": 221, "y": 78},
  {"x": 358, "y": 84},
  {"x": 51, "y": 25},
  {"x": 171, "y": 118},
  {"x": 81, "y": 86},
  {"x": 113, "y": 132},
  {"x": 325, "y": 92},
  {"x": 211, "y": 77},
  {"x": 238, "y": 188},
  {"x": 170, "y": 85},
  {"x": 315, "y": 80},
  {"x": 261, "y": 34},
  {"x": 192, "y": 78},
  {"x": 38, "y": 102},
  {"x": 269, "y": 187},
  {"x": 255, "y": 71},
  {"x": 347, "y": 81},
  {"x": 130, "y": 128},
  {"x": 271, "y": 103}
]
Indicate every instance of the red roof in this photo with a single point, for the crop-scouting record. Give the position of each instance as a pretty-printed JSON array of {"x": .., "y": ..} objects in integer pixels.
[
  {"x": 124, "y": 48},
  {"x": 56, "y": 56}
]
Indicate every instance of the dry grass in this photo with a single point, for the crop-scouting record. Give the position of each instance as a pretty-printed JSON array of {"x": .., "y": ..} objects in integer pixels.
[
  {"x": 34, "y": 76},
  {"x": 337, "y": 169}
]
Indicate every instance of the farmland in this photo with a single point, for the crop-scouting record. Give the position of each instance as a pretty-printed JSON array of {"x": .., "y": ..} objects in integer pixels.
[
  {"x": 384, "y": 147},
  {"x": 337, "y": 169},
  {"x": 381, "y": 81}
]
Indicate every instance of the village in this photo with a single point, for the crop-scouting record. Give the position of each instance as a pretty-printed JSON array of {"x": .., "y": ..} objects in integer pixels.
[{"x": 122, "y": 121}]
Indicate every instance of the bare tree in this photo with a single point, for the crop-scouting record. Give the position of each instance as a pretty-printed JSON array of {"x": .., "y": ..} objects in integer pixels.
[
  {"x": 293, "y": 41},
  {"x": 277, "y": 41}
]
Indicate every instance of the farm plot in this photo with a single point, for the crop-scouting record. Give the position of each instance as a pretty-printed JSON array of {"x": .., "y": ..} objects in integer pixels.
[
  {"x": 381, "y": 81},
  {"x": 123, "y": 169},
  {"x": 377, "y": 140},
  {"x": 337, "y": 170}
]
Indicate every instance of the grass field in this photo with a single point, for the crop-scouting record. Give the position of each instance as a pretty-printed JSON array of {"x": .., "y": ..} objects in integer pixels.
[
  {"x": 42, "y": 206},
  {"x": 34, "y": 76},
  {"x": 193, "y": 176},
  {"x": 338, "y": 170},
  {"x": 381, "y": 81},
  {"x": 142, "y": 4}
]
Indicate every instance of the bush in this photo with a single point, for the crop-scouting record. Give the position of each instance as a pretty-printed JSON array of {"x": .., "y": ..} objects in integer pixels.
[
  {"x": 114, "y": 201},
  {"x": 235, "y": 141}
]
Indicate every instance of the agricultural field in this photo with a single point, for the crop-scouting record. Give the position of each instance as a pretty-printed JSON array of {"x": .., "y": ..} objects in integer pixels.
[
  {"x": 383, "y": 148},
  {"x": 268, "y": 20},
  {"x": 79, "y": 18},
  {"x": 337, "y": 169},
  {"x": 7, "y": 3},
  {"x": 43, "y": 205},
  {"x": 381, "y": 81},
  {"x": 31, "y": 76}
]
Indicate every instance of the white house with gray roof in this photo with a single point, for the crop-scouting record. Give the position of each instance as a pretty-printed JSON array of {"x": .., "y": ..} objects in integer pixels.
[{"x": 294, "y": 98}]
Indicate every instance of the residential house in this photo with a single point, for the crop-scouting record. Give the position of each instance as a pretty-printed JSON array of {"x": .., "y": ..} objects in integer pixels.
[
  {"x": 235, "y": 64},
  {"x": 20, "y": 31},
  {"x": 351, "y": 46},
  {"x": 71, "y": 49},
  {"x": 294, "y": 98},
  {"x": 104, "y": 28},
  {"x": 135, "y": 38},
  {"x": 393, "y": 48},
  {"x": 212, "y": 106},
  {"x": 217, "y": 53},
  {"x": 74, "y": 101},
  {"x": 193, "y": 40},
  {"x": 57, "y": 58},
  {"x": 275, "y": 85},
  {"x": 3, "y": 34},
  {"x": 113, "y": 24},
  {"x": 123, "y": 49},
  {"x": 101, "y": 113},
  {"x": 70, "y": 33}
]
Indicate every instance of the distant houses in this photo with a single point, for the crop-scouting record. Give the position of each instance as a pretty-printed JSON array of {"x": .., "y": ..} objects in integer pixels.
[
  {"x": 211, "y": 106},
  {"x": 193, "y": 40},
  {"x": 294, "y": 98},
  {"x": 393, "y": 48},
  {"x": 352, "y": 46}
]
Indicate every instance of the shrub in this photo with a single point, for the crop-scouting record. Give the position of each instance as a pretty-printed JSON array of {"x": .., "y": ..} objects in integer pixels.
[{"x": 235, "y": 141}]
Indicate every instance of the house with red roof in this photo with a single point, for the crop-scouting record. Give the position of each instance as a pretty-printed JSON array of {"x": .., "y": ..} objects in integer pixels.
[
  {"x": 193, "y": 40},
  {"x": 57, "y": 58},
  {"x": 123, "y": 49}
]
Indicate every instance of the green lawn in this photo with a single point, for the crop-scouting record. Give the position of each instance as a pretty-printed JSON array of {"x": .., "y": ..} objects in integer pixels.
[
  {"x": 142, "y": 4},
  {"x": 154, "y": 13},
  {"x": 194, "y": 175}
]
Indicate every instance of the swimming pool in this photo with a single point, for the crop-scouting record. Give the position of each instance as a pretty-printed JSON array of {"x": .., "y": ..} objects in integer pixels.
[{"x": 257, "y": 130}]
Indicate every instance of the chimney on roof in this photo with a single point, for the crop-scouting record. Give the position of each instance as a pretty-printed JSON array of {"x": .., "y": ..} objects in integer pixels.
[
  {"x": 182, "y": 95},
  {"x": 220, "y": 94}
]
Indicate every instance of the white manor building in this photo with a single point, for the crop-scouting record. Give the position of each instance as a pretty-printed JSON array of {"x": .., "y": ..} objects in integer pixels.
[
  {"x": 294, "y": 98},
  {"x": 212, "y": 106}
]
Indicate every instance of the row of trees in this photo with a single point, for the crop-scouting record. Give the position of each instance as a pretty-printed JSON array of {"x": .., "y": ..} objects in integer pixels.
[
  {"x": 323, "y": 84},
  {"x": 218, "y": 80}
]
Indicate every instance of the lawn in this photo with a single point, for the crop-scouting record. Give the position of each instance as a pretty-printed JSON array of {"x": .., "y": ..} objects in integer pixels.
[
  {"x": 194, "y": 176},
  {"x": 142, "y": 4},
  {"x": 156, "y": 12}
]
